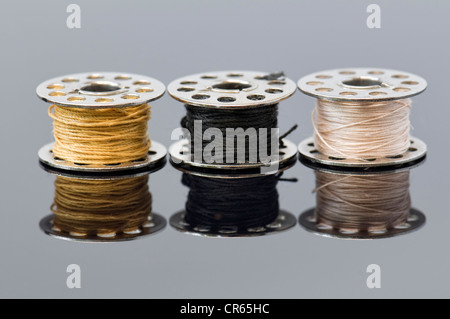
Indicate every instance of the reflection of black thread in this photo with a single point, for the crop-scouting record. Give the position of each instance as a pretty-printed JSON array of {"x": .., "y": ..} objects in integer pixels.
[
  {"x": 259, "y": 117},
  {"x": 245, "y": 202}
]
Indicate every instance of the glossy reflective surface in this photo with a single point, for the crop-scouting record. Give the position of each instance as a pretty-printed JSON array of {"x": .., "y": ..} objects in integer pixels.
[{"x": 167, "y": 40}]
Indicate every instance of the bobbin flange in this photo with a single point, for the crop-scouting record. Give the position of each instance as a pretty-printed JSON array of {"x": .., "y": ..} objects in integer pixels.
[
  {"x": 100, "y": 90},
  {"x": 416, "y": 151},
  {"x": 284, "y": 221},
  {"x": 154, "y": 224},
  {"x": 362, "y": 85},
  {"x": 181, "y": 158},
  {"x": 155, "y": 159},
  {"x": 232, "y": 89},
  {"x": 307, "y": 220}
]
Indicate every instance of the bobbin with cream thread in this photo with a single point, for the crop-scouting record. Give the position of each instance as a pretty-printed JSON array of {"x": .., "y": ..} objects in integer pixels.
[
  {"x": 100, "y": 122},
  {"x": 362, "y": 117}
]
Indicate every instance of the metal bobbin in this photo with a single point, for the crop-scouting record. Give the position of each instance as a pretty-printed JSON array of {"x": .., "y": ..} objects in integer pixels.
[
  {"x": 230, "y": 90},
  {"x": 362, "y": 85},
  {"x": 100, "y": 90},
  {"x": 415, "y": 220},
  {"x": 153, "y": 225}
]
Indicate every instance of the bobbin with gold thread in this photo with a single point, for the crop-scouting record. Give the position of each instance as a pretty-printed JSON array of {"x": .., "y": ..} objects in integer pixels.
[
  {"x": 101, "y": 90},
  {"x": 362, "y": 85}
]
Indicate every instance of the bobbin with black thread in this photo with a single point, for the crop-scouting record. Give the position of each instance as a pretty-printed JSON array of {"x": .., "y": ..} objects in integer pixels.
[
  {"x": 362, "y": 85},
  {"x": 154, "y": 224},
  {"x": 230, "y": 90},
  {"x": 100, "y": 90},
  {"x": 414, "y": 222}
]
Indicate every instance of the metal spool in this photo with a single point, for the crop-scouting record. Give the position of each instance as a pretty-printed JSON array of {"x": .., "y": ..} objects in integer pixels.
[
  {"x": 96, "y": 91},
  {"x": 362, "y": 85},
  {"x": 230, "y": 90},
  {"x": 415, "y": 220}
]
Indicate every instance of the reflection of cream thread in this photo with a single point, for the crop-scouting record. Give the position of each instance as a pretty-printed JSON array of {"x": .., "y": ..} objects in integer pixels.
[
  {"x": 360, "y": 202},
  {"x": 101, "y": 207},
  {"x": 100, "y": 136},
  {"x": 361, "y": 130}
]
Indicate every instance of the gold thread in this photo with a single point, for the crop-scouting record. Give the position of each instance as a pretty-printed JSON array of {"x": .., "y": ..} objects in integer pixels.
[
  {"x": 100, "y": 136},
  {"x": 362, "y": 202},
  {"x": 361, "y": 130},
  {"x": 101, "y": 207}
]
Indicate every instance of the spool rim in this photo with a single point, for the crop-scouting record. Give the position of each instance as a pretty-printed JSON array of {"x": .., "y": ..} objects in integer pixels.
[
  {"x": 97, "y": 90},
  {"x": 415, "y": 153},
  {"x": 283, "y": 222},
  {"x": 416, "y": 220},
  {"x": 362, "y": 85},
  {"x": 183, "y": 163},
  {"x": 156, "y": 223},
  {"x": 156, "y": 158},
  {"x": 231, "y": 89}
]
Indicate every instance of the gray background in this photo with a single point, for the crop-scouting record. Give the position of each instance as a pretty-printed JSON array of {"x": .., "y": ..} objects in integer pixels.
[{"x": 170, "y": 39}]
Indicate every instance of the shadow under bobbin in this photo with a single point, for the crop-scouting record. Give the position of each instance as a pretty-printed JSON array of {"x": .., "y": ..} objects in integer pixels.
[
  {"x": 362, "y": 85},
  {"x": 99, "y": 91}
]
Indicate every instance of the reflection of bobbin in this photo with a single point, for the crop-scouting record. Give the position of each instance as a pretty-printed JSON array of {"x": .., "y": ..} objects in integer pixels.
[
  {"x": 370, "y": 217},
  {"x": 91, "y": 215},
  {"x": 231, "y": 95},
  {"x": 249, "y": 221},
  {"x": 361, "y": 88},
  {"x": 101, "y": 91}
]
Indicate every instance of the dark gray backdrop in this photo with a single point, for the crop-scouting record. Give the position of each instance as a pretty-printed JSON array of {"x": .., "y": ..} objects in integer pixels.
[{"x": 170, "y": 39}]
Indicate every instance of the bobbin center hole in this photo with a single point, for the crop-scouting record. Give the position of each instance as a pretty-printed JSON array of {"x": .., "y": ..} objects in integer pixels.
[
  {"x": 232, "y": 86},
  {"x": 363, "y": 82},
  {"x": 101, "y": 88}
]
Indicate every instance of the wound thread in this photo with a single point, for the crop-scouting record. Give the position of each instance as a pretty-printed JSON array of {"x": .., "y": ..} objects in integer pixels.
[
  {"x": 362, "y": 202},
  {"x": 264, "y": 117},
  {"x": 100, "y": 136},
  {"x": 361, "y": 130},
  {"x": 245, "y": 202},
  {"x": 101, "y": 207}
]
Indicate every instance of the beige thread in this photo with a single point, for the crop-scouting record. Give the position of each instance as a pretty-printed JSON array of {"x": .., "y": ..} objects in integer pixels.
[
  {"x": 362, "y": 202},
  {"x": 361, "y": 130}
]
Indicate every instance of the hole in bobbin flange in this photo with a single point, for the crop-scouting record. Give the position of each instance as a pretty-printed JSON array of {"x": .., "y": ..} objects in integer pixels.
[
  {"x": 99, "y": 87},
  {"x": 233, "y": 85},
  {"x": 362, "y": 82}
]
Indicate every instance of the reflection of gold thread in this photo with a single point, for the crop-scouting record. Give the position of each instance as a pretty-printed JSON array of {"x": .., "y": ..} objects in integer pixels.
[
  {"x": 103, "y": 207},
  {"x": 361, "y": 130},
  {"x": 362, "y": 202},
  {"x": 100, "y": 136}
]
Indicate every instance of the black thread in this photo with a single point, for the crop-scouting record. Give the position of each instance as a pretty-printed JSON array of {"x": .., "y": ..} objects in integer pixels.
[
  {"x": 245, "y": 118},
  {"x": 244, "y": 202}
]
